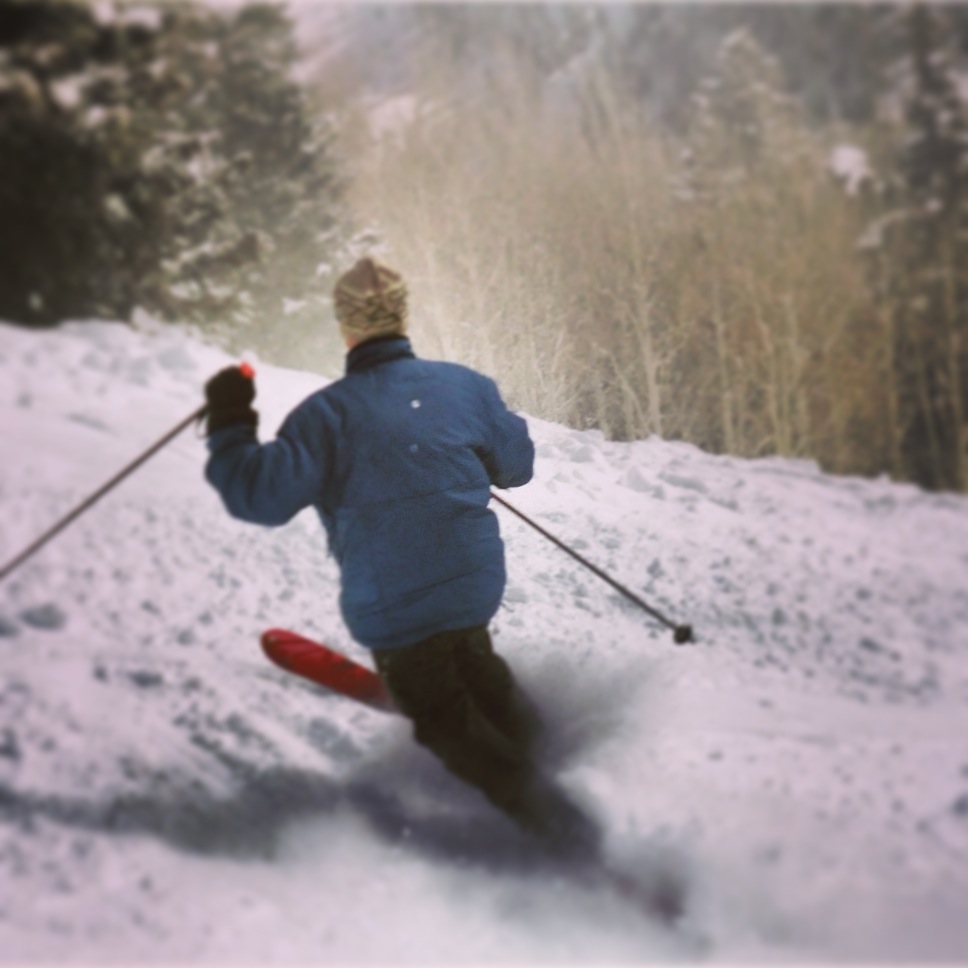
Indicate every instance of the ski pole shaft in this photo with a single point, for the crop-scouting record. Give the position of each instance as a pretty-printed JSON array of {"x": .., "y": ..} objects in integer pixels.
[
  {"x": 681, "y": 633},
  {"x": 55, "y": 529}
]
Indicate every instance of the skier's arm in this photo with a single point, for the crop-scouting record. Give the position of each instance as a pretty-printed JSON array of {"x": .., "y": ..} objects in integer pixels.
[
  {"x": 508, "y": 455},
  {"x": 269, "y": 483}
]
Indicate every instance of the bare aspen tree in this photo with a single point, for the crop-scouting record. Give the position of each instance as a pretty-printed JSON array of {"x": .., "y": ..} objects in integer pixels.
[{"x": 555, "y": 239}]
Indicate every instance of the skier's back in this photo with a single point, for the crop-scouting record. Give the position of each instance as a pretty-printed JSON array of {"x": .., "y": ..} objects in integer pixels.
[{"x": 398, "y": 458}]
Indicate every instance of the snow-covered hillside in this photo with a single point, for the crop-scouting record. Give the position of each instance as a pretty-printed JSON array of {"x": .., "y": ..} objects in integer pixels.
[{"x": 168, "y": 795}]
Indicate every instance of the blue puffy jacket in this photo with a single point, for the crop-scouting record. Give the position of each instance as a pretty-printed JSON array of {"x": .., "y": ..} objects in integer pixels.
[{"x": 397, "y": 457}]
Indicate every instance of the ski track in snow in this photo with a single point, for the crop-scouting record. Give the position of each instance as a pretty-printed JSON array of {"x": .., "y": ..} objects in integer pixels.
[{"x": 167, "y": 794}]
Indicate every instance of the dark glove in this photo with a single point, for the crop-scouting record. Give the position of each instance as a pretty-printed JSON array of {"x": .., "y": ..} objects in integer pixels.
[{"x": 230, "y": 394}]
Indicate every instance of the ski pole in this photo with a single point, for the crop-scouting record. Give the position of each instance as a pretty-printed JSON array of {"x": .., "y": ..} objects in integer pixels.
[
  {"x": 55, "y": 529},
  {"x": 681, "y": 633}
]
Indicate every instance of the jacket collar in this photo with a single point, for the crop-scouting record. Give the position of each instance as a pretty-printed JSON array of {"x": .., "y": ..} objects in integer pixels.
[{"x": 380, "y": 349}]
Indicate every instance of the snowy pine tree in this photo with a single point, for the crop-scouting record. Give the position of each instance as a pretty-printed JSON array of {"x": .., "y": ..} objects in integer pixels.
[
  {"x": 758, "y": 227},
  {"x": 742, "y": 121},
  {"x": 287, "y": 189},
  {"x": 156, "y": 156},
  {"x": 924, "y": 273}
]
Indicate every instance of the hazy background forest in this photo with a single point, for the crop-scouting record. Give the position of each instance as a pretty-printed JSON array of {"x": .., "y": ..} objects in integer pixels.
[{"x": 743, "y": 226}]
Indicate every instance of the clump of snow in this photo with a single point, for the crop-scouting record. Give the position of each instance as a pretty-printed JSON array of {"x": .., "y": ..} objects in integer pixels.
[
  {"x": 166, "y": 794},
  {"x": 68, "y": 92},
  {"x": 850, "y": 164},
  {"x": 877, "y": 232},
  {"x": 291, "y": 306},
  {"x": 390, "y": 117},
  {"x": 148, "y": 17}
]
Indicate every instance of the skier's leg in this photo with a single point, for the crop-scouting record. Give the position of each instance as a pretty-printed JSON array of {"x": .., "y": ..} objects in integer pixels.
[
  {"x": 495, "y": 691},
  {"x": 538, "y": 804},
  {"x": 427, "y": 686}
]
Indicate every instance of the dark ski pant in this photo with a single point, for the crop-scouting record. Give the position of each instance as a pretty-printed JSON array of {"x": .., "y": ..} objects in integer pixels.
[{"x": 467, "y": 709}]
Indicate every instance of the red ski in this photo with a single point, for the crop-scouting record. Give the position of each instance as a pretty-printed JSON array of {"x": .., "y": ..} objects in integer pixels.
[{"x": 326, "y": 667}]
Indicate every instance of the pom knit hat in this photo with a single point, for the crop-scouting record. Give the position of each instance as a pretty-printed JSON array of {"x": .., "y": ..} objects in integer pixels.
[{"x": 370, "y": 300}]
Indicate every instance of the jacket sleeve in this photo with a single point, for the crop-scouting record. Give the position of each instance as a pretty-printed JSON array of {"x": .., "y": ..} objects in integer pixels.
[
  {"x": 270, "y": 483},
  {"x": 508, "y": 454}
]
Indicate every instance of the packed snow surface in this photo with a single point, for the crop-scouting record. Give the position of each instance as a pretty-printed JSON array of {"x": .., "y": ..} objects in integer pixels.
[{"x": 167, "y": 795}]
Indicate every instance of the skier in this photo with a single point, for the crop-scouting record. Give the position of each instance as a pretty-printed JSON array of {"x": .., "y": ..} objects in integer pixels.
[{"x": 397, "y": 457}]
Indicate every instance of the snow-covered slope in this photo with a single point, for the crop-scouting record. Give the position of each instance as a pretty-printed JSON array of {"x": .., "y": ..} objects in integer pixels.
[{"x": 167, "y": 795}]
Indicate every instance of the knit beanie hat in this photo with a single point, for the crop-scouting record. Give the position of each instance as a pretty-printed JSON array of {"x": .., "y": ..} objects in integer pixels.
[{"x": 370, "y": 300}]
